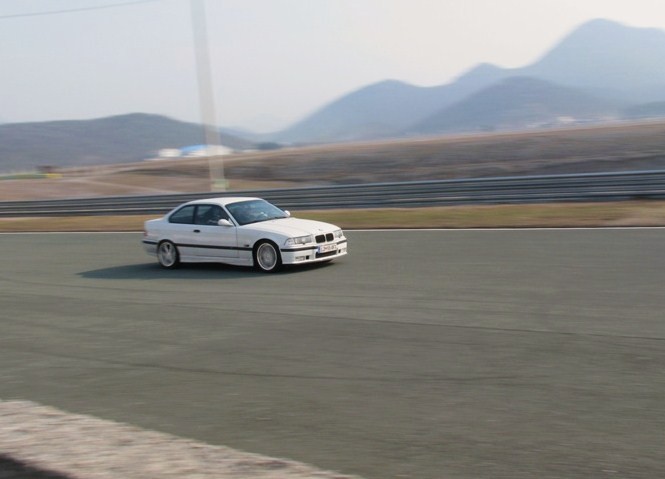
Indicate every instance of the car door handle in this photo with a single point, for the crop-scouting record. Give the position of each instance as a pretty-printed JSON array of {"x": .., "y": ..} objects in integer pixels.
[{"x": 197, "y": 231}]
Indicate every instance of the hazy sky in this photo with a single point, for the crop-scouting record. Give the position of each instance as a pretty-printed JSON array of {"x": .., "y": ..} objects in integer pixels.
[{"x": 273, "y": 61}]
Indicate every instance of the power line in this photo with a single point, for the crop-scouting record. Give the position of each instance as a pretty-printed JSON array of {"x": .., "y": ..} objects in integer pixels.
[{"x": 74, "y": 10}]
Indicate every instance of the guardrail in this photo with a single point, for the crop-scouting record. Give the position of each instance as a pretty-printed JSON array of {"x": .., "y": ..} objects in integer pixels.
[{"x": 503, "y": 190}]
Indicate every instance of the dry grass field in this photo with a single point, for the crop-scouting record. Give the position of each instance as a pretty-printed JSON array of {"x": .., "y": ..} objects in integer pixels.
[
  {"x": 616, "y": 147},
  {"x": 619, "y": 147}
]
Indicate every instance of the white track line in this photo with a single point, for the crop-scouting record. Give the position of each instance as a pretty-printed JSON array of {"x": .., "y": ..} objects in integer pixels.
[{"x": 86, "y": 447}]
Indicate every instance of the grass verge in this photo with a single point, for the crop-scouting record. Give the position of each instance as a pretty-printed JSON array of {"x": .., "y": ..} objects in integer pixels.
[{"x": 622, "y": 214}]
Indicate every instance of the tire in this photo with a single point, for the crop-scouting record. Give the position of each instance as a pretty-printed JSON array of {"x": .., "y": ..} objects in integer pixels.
[
  {"x": 167, "y": 255},
  {"x": 267, "y": 257}
]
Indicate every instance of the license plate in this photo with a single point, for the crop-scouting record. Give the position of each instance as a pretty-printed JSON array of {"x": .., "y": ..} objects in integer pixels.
[{"x": 327, "y": 248}]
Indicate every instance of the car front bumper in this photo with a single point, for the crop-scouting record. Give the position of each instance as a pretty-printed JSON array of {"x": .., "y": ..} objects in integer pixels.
[{"x": 314, "y": 254}]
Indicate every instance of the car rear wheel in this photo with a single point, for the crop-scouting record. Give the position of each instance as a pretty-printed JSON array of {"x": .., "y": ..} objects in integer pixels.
[
  {"x": 267, "y": 257},
  {"x": 167, "y": 255}
]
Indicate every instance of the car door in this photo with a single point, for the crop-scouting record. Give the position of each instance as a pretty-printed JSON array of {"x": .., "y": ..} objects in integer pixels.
[
  {"x": 181, "y": 230},
  {"x": 212, "y": 240}
]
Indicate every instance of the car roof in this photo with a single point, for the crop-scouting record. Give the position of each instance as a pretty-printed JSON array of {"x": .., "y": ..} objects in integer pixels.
[{"x": 223, "y": 200}]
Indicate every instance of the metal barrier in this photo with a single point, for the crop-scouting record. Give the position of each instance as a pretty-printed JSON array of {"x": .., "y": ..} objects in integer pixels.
[{"x": 502, "y": 190}]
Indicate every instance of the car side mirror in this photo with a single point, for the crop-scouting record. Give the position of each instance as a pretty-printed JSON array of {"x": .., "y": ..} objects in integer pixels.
[
  {"x": 287, "y": 213},
  {"x": 224, "y": 222}
]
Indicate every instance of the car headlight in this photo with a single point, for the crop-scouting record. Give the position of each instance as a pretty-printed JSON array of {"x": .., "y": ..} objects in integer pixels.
[
  {"x": 338, "y": 234},
  {"x": 299, "y": 240}
]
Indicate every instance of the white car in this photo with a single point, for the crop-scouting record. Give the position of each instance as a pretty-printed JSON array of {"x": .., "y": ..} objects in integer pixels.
[{"x": 240, "y": 231}]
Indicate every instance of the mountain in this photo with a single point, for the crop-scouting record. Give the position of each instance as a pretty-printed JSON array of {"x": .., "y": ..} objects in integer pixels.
[
  {"x": 118, "y": 139},
  {"x": 604, "y": 56},
  {"x": 378, "y": 110},
  {"x": 384, "y": 109},
  {"x": 600, "y": 69},
  {"x": 604, "y": 59},
  {"x": 645, "y": 111},
  {"x": 517, "y": 103}
]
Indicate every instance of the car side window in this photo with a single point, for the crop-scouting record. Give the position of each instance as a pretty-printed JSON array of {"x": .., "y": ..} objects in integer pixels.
[
  {"x": 184, "y": 215},
  {"x": 209, "y": 215}
]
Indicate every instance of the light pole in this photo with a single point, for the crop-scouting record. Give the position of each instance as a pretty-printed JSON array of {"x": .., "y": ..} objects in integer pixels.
[{"x": 206, "y": 95}]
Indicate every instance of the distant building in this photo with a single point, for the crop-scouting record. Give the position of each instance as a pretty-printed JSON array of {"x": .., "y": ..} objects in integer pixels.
[
  {"x": 197, "y": 151},
  {"x": 169, "y": 153},
  {"x": 193, "y": 151}
]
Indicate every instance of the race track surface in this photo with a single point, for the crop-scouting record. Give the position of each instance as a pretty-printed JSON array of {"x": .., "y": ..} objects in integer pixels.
[{"x": 431, "y": 354}]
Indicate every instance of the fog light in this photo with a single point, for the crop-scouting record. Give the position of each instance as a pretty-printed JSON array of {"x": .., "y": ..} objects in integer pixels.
[{"x": 301, "y": 258}]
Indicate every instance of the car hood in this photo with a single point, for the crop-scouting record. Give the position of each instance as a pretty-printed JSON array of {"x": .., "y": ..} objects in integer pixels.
[{"x": 292, "y": 227}]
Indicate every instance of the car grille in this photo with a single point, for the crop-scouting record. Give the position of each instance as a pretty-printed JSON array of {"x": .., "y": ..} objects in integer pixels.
[{"x": 324, "y": 238}]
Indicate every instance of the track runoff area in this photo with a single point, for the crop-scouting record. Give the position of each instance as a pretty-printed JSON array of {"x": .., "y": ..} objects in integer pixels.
[{"x": 42, "y": 442}]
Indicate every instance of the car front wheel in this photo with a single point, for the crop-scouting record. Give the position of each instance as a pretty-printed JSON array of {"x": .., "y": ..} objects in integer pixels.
[
  {"x": 167, "y": 255},
  {"x": 267, "y": 257}
]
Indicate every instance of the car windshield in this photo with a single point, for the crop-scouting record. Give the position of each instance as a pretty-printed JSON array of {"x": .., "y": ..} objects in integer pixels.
[{"x": 254, "y": 211}]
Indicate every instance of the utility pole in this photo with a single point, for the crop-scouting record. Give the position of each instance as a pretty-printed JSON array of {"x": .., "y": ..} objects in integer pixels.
[{"x": 206, "y": 96}]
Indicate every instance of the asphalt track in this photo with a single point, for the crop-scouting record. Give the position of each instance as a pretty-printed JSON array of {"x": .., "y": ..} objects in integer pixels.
[{"x": 432, "y": 354}]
